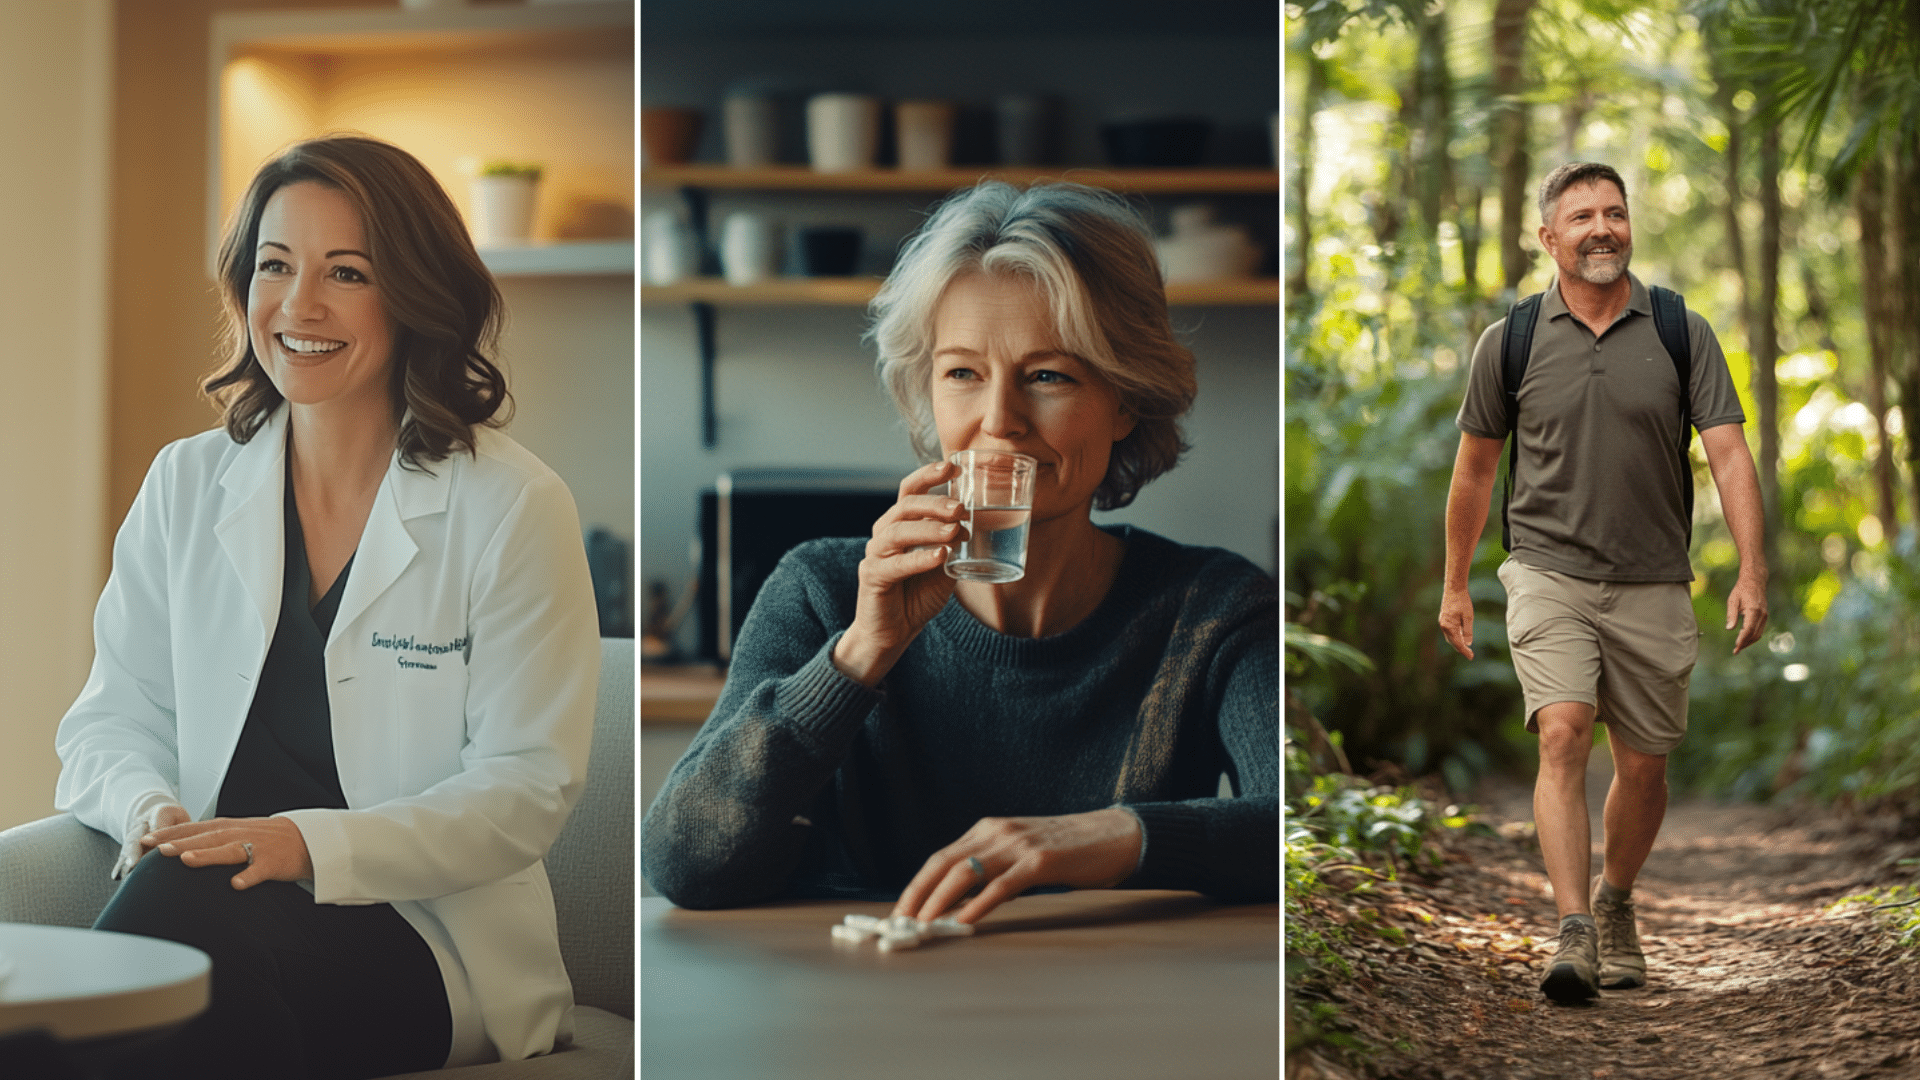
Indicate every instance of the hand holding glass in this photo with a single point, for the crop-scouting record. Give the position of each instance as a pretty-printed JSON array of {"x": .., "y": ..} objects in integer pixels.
[{"x": 996, "y": 488}]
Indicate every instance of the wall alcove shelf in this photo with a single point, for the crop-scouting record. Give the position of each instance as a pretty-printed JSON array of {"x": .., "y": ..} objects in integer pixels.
[
  {"x": 516, "y": 80},
  {"x": 706, "y": 294}
]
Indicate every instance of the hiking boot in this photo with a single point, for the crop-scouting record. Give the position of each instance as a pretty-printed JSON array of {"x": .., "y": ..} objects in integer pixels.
[
  {"x": 1573, "y": 973},
  {"x": 1622, "y": 965}
]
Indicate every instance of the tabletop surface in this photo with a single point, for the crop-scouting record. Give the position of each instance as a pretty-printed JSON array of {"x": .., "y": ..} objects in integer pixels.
[
  {"x": 1109, "y": 984},
  {"x": 87, "y": 983}
]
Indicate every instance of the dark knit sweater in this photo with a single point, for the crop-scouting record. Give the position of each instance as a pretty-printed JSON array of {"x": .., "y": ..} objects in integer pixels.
[{"x": 805, "y": 783}]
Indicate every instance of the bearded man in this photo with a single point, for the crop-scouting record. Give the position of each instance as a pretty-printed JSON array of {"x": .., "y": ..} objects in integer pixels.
[{"x": 1606, "y": 378}]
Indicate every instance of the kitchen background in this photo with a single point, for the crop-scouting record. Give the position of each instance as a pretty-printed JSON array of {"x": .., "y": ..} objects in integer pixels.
[{"x": 793, "y": 384}]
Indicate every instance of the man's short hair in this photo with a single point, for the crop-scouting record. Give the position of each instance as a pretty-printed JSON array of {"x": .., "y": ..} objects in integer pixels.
[{"x": 1564, "y": 177}]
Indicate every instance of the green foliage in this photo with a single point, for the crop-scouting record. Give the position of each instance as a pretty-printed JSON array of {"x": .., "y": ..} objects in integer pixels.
[
  {"x": 1369, "y": 452},
  {"x": 1856, "y": 62},
  {"x": 1324, "y": 20},
  {"x": 1306, "y": 648},
  {"x": 1897, "y": 905},
  {"x": 1337, "y": 822},
  {"x": 511, "y": 168},
  {"x": 1377, "y": 350},
  {"x": 1827, "y": 709}
]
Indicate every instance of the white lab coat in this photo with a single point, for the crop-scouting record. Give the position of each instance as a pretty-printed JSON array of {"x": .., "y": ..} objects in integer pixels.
[{"x": 461, "y": 673}]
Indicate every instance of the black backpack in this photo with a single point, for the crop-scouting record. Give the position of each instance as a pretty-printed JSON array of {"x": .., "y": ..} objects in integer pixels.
[{"x": 1516, "y": 348}]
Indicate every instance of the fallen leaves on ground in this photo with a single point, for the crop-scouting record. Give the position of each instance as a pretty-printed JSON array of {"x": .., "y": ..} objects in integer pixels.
[{"x": 1750, "y": 977}]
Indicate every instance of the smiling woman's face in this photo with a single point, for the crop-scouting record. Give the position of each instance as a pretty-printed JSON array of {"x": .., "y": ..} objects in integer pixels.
[
  {"x": 314, "y": 311},
  {"x": 1001, "y": 381}
]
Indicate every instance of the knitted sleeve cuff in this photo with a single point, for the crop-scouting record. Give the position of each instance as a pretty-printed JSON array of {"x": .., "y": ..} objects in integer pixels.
[
  {"x": 820, "y": 701},
  {"x": 1172, "y": 846}
]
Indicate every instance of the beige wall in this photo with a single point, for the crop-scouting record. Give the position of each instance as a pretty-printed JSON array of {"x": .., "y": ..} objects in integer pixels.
[
  {"x": 164, "y": 314},
  {"x": 54, "y": 62}
]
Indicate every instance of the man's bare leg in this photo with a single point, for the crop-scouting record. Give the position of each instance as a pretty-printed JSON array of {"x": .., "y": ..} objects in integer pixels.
[
  {"x": 1636, "y": 805},
  {"x": 1560, "y": 803}
]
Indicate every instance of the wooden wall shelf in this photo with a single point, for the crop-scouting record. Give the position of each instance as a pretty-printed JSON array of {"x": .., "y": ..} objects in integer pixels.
[
  {"x": 858, "y": 291},
  {"x": 801, "y": 178},
  {"x": 579, "y": 257}
]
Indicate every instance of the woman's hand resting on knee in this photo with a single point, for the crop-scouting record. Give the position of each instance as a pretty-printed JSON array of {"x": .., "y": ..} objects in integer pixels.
[{"x": 279, "y": 852}]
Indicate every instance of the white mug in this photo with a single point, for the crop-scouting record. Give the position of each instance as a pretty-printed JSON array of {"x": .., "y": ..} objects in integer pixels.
[
  {"x": 670, "y": 253},
  {"x": 843, "y": 132},
  {"x": 747, "y": 251}
]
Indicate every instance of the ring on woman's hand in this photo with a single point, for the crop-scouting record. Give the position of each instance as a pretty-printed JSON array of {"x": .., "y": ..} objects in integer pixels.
[
  {"x": 979, "y": 869},
  {"x": 247, "y": 845}
]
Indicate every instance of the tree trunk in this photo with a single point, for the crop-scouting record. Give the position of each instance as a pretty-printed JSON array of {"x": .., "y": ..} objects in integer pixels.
[
  {"x": 1904, "y": 289},
  {"x": 1510, "y": 133},
  {"x": 1431, "y": 133},
  {"x": 1573, "y": 114},
  {"x": 1736, "y": 244},
  {"x": 1869, "y": 197},
  {"x": 1766, "y": 344},
  {"x": 1470, "y": 245},
  {"x": 1302, "y": 254}
]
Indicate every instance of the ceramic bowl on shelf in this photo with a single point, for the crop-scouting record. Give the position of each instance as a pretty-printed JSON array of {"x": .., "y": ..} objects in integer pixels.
[
  {"x": 1200, "y": 250},
  {"x": 1169, "y": 142},
  {"x": 828, "y": 250},
  {"x": 668, "y": 135}
]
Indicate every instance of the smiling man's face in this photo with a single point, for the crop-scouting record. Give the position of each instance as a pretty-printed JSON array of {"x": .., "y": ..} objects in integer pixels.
[{"x": 1590, "y": 237}]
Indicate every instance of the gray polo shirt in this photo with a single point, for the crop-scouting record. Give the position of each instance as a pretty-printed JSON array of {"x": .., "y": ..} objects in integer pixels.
[{"x": 1600, "y": 485}]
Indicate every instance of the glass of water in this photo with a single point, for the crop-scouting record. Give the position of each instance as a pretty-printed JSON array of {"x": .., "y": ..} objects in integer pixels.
[{"x": 996, "y": 488}]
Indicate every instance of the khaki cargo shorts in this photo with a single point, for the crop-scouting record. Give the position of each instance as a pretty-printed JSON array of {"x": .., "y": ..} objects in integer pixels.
[{"x": 1625, "y": 648}]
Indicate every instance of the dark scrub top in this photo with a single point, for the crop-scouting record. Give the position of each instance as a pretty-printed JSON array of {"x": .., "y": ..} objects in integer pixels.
[{"x": 285, "y": 757}]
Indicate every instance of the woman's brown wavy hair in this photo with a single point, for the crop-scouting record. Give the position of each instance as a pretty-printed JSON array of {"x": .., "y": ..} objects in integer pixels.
[{"x": 444, "y": 306}]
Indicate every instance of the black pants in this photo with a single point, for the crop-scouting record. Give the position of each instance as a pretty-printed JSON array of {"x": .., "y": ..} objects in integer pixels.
[{"x": 299, "y": 989}]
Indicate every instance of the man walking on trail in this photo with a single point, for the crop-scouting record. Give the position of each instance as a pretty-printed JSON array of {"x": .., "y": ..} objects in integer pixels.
[{"x": 1599, "y": 619}]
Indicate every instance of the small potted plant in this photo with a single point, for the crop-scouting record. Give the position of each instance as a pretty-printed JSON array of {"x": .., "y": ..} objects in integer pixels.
[{"x": 503, "y": 193}]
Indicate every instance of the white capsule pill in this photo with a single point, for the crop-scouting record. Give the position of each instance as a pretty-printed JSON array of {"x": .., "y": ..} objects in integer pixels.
[
  {"x": 892, "y": 942},
  {"x": 862, "y": 922},
  {"x": 948, "y": 926},
  {"x": 849, "y": 933}
]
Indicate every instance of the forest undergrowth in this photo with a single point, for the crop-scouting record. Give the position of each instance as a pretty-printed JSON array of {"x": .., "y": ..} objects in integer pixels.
[{"x": 1780, "y": 942}]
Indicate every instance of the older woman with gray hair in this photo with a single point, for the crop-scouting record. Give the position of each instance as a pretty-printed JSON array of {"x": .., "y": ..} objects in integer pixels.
[{"x": 889, "y": 731}]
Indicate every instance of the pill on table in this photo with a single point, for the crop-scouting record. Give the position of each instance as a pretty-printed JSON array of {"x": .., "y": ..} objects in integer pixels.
[
  {"x": 851, "y": 933},
  {"x": 948, "y": 926},
  {"x": 892, "y": 942},
  {"x": 862, "y": 922}
]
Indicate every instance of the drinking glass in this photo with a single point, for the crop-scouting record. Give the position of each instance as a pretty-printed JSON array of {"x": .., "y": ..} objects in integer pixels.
[{"x": 996, "y": 488}]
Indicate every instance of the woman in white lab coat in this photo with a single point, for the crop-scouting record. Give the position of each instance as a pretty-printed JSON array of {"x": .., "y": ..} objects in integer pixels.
[{"x": 345, "y": 663}]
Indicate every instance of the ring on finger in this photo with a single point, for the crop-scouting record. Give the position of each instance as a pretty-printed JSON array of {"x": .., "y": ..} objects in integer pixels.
[
  {"x": 979, "y": 868},
  {"x": 247, "y": 846}
]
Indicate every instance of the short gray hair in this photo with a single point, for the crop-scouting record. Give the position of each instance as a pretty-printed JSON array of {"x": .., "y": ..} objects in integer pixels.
[
  {"x": 1564, "y": 177},
  {"x": 1091, "y": 256}
]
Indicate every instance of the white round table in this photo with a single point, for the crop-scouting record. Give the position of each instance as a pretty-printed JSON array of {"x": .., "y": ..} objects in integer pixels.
[{"x": 90, "y": 984}]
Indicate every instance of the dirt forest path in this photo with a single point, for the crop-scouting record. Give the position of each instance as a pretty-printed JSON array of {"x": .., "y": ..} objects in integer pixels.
[{"x": 1749, "y": 976}]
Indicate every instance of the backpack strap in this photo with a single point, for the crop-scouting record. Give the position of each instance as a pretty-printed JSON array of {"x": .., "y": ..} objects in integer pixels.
[
  {"x": 1516, "y": 347},
  {"x": 1670, "y": 322}
]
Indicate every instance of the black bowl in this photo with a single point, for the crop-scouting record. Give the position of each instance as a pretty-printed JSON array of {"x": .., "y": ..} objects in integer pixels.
[
  {"x": 1174, "y": 142},
  {"x": 829, "y": 251}
]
